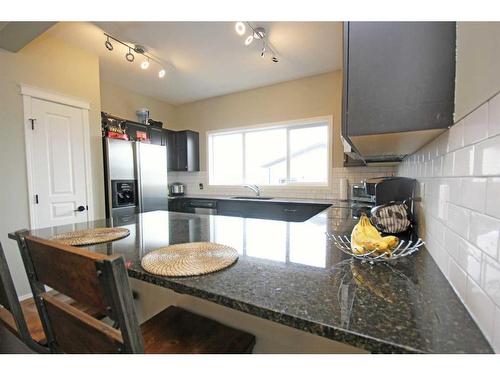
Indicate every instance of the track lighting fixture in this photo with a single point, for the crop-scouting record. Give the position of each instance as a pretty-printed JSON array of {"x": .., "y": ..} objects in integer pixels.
[
  {"x": 249, "y": 40},
  {"x": 145, "y": 64},
  {"x": 257, "y": 33},
  {"x": 130, "y": 56},
  {"x": 240, "y": 28},
  {"x": 108, "y": 44},
  {"x": 140, "y": 50}
]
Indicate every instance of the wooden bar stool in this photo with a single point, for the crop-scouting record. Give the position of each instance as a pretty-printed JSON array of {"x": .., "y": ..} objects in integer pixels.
[{"x": 101, "y": 282}]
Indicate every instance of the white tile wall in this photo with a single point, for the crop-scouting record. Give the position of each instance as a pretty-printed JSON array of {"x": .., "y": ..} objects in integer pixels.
[
  {"x": 460, "y": 210},
  {"x": 353, "y": 174}
]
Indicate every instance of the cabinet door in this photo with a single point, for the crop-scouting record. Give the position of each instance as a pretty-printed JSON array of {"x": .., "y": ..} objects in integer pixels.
[
  {"x": 171, "y": 149},
  {"x": 181, "y": 150},
  {"x": 193, "y": 151},
  {"x": 400, "y": 76},
  {"x": 157, "y": 136}
]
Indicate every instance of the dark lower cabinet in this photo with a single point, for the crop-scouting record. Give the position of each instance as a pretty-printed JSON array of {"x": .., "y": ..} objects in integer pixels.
[{"x": 288, "y": 211}]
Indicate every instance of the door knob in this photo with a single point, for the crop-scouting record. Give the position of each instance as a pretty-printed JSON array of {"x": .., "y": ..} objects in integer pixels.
[{"x": 80, "y": 209}]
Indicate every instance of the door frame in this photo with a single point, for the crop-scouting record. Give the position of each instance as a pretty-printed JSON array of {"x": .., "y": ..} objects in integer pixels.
[{"x": 29, "y": 93}]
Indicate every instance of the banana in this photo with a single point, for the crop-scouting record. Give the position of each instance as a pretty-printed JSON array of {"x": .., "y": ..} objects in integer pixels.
[{"x": 365, "y": 238}]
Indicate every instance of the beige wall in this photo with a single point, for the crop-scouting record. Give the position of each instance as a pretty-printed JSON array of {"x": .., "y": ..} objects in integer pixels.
[
  {"x": 478, "y": 61},
  {"x": 319, "y": 95},
  {"x": 46, "y": 63},
  {"x": 124, "y": 103}
]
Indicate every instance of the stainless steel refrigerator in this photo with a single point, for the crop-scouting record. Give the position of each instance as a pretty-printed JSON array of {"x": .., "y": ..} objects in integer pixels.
[{"x": 136, "y": 177}]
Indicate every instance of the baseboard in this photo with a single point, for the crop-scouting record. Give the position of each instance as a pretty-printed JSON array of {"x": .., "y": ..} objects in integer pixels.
[
  {"x": 30, "y": 295},
  {"x": 25, "y": 296}
]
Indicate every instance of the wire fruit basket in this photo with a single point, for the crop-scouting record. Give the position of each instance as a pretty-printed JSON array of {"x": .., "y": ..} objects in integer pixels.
[{"x": 403, "y": 249}]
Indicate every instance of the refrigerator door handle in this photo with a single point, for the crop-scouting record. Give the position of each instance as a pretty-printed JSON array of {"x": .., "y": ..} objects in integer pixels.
[{"x": 137, "y": 151}]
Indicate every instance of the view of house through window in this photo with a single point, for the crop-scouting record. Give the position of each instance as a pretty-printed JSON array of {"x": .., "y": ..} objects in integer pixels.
[{"x": 295, "y": 153}]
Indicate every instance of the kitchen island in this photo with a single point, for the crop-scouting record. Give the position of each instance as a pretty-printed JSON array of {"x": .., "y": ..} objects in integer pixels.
[{"x": 289, "y": 273}]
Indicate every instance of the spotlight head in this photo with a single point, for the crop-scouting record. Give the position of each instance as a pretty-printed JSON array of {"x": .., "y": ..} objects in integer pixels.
[
  {"x": 161, "y": 73},
  {"x": 259, "y": 33},
  {"x": 249, "y": 40},
  {"x": 129, "y": 56},
  {"x": 274, "y": 59},
  {"x": 145, "y": 64},
  {"x": 240, "y": 28},
  {"x": 108, "y": 45}
]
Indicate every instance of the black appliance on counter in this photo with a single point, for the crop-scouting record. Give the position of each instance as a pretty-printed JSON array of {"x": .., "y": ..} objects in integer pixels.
[
  {"x": 394, "y": 189},
  {"x": 390, "y": 189}
]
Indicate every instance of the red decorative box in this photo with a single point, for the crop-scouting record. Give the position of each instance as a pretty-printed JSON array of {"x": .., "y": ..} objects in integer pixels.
[{"x": 117, "y": 135}]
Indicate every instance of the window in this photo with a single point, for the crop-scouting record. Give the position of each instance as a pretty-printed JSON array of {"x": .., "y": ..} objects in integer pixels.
[{"x": 286, "y": 154}]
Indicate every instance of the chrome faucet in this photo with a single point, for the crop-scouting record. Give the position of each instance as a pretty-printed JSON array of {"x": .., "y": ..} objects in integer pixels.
[{"x": 255, "y": 188}]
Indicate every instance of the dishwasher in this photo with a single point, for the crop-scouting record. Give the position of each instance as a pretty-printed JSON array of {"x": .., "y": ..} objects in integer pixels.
[{"x": 203, "y": 206}]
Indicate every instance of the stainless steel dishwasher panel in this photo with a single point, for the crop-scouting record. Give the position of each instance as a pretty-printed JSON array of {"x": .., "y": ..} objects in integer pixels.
[{"x": 207, "y": 207}]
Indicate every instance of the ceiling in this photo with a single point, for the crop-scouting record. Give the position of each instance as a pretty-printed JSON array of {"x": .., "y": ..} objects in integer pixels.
[{"x": 207, "y": 59}]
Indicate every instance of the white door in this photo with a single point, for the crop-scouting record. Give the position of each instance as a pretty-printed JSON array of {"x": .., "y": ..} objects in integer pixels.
[{"x": 58, "y": 164}]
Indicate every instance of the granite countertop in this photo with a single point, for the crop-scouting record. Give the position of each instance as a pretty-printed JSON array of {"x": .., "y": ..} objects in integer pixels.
[{"x": 289, "y": 272}]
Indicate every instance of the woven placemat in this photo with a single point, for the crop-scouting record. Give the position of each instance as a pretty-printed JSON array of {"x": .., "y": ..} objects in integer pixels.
[
  {"x": 189, "y": 259},
  {"x": 91, "y": 236}
]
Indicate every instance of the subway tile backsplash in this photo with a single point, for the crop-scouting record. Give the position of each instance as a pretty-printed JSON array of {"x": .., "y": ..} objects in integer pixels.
[
  {"x": 353, "y": 174},
  {"x": 459, "y": 215}
]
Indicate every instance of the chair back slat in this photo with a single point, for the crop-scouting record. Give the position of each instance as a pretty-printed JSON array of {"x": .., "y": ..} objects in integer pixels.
[
  {"x": 71, "y": 272},
  {"x": 78, "y": 333}
]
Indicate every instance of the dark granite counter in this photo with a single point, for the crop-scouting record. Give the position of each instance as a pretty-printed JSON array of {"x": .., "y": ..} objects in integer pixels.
[{"x": 289, "y": 272}]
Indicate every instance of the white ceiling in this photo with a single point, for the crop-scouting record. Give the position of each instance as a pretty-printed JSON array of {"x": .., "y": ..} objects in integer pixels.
[{"x": 207, "y": 59}]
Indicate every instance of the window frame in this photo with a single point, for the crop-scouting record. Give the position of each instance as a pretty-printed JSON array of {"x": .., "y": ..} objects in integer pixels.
[{"x": 288, "y": 125}]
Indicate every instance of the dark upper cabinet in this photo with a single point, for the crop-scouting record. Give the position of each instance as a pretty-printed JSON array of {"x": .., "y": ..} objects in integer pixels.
[
  {"x": 183, "y": 147},
  {"x": 187, "y": 147},
  {"x": 157, "y": 136},
  {"x": 399, "y": 77},
  {"x": 171, "y": 152}
]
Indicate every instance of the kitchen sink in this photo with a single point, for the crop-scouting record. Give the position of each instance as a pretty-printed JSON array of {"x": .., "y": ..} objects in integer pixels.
[{"x": 259, "y": 198}]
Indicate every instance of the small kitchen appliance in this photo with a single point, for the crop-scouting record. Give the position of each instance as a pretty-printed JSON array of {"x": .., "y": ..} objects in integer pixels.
[
  {"x": 176, "y": 189},
  {"x": 384, "y": 190}
]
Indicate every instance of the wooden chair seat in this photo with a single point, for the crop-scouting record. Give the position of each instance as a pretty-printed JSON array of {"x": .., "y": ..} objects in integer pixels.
[
  {"x": 178, "y": 331},
  {"x": 32, "y": 318}
]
